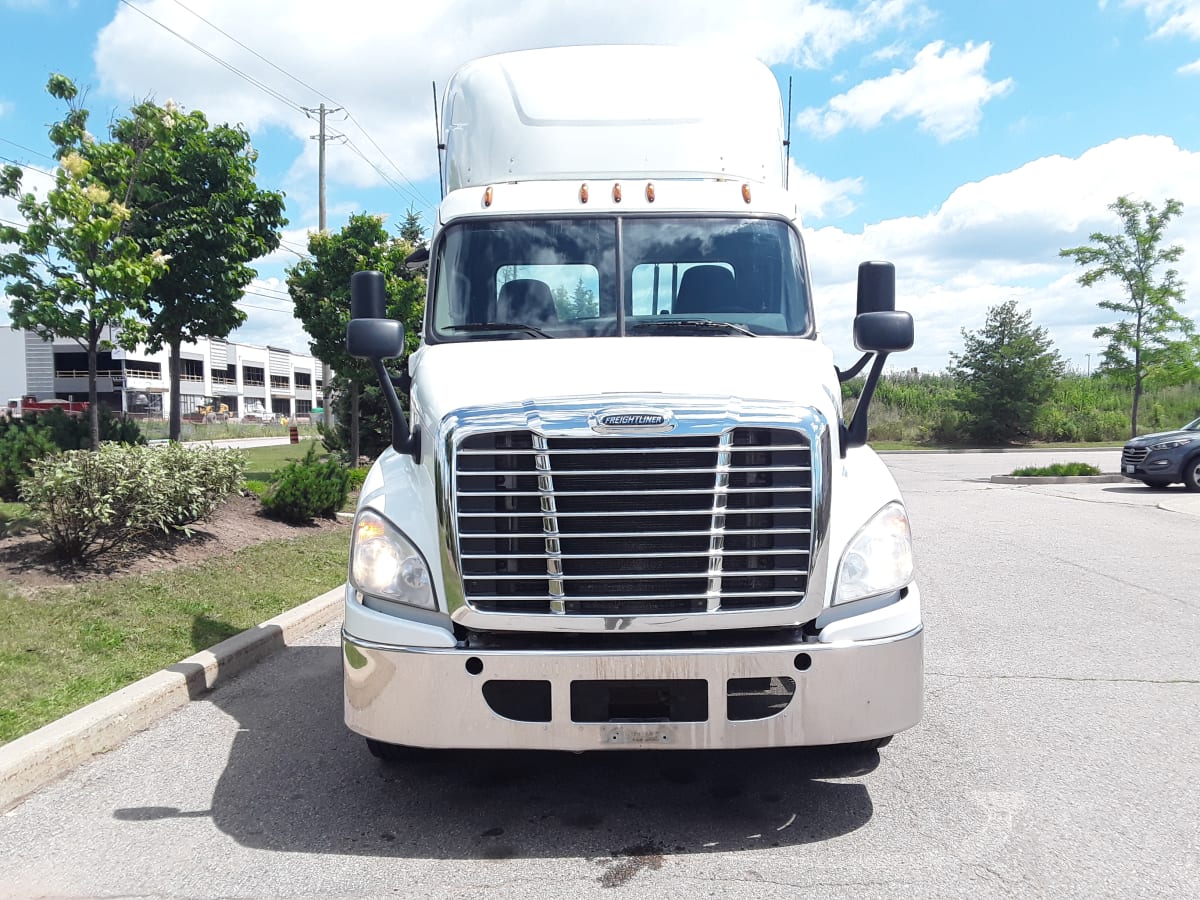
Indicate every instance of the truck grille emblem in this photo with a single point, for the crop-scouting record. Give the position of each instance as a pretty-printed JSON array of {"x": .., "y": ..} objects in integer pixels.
[{"x": 640, "y": 421}]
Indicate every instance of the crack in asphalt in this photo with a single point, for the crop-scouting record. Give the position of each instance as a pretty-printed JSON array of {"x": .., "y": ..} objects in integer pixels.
[{"x": 1064, "y": 678}]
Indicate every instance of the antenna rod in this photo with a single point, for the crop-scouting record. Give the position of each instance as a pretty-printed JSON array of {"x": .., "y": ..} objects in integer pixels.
[
  {"x": 787, "y": 141},
  {"x": 437, "y": 137}
]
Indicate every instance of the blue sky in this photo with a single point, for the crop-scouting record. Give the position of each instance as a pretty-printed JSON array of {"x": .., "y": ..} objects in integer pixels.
[{"x": 967, "y": 142}]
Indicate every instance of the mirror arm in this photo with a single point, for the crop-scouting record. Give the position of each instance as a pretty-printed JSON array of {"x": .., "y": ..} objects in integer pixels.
[
  {"x": 843, "y": 377},
  {"x": 404, "y": 439},
  {"x": 855, "y": 435}
]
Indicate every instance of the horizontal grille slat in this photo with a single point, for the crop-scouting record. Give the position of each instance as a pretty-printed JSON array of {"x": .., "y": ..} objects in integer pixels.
[{"x": 633, "y": 525}]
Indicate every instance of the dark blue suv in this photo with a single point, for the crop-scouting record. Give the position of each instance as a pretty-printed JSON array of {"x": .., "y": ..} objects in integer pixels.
[{"x": 1165, "y": 458}]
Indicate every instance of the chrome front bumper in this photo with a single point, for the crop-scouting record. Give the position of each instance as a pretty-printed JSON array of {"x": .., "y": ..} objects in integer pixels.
[{"x": 844, "y": 691}]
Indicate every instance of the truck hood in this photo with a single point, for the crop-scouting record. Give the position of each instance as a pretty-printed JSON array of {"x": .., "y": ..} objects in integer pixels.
[{"x": 447, "y": 377}]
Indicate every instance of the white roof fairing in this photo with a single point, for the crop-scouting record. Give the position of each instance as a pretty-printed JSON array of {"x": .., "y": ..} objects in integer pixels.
[{"x": 612, "y": 112}]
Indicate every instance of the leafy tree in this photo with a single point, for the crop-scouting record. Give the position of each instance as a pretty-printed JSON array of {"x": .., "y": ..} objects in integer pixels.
[
  {"x": 320, "y": 289},
  {"x": 76, "y": 271},
  {"x": 196, "y": 199},
  {"x": 1006, "y": 371},
  {"x": 1153, "y": 339}
]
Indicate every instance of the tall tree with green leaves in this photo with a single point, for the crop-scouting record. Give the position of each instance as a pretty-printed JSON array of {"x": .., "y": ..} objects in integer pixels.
[
  {"x": 196, "y": 199},
  {"x": 1153, "y": 340},
  {"x": 320, "y": 288},
  {"x": 76, "y": 272},
  {"x": 1006, "y": 371}
]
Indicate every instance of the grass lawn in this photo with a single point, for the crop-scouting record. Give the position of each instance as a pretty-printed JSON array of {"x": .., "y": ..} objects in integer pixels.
[
  {"x": 263, "y": 462},
  {"x": 61, "y": 649}
]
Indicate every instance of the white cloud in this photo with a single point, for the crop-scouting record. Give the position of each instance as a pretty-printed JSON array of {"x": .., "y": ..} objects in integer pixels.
[
  {"x": 944, "y": 90},
  {"x": 998, "y": 239},
  {"x": 1173, "y": 18},
  {"x": 1170, "y": 17},
  {"x": 5, "y": 108},
  {"x": 819, "y": 198},
  {"x": 380, "y": 63}
]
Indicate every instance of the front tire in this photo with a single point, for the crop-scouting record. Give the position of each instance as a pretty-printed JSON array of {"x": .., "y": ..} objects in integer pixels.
[
  {"x": 865, "y": 746},
  {"x": 1191, "y": 473},
  {"x": 390, "y": 753}
]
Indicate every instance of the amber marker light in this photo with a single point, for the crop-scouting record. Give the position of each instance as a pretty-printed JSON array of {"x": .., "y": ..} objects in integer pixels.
[
  {"x": 616, "y": 193},
  {"x": 649, "y": 192},
  {"x": 369, "y": 530},
  {"x": 487, "y": 196},
  {"x": 746, "y": 192},
  {"x": 583, "y": 193}
]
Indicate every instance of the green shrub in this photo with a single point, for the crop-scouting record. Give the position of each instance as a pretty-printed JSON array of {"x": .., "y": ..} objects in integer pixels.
[
  {"x": 194, "y": 480},
  {"x": 87, "y": 503},
  {"x": 302, "y": 491},
  {"x": 20, "y": 444},
  {"x": 1057, "y": 469},
  {"x": 357, "y": 476},
  {"x": 74, "y": 432}
]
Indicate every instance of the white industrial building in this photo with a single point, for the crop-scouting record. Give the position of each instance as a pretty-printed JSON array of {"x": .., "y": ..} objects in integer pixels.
[{"x": 249, "y": 379}]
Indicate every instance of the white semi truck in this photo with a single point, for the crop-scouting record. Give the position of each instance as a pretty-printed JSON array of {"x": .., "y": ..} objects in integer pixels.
[{"x": 624, "y": 508}]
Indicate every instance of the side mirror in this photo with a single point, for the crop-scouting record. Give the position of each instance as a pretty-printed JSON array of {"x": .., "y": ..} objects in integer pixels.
[
  {"x": 418, "y": 259},
  {"x": 878, "y": 329},
  {"x": 883, "y": 332},
  {"x": 370, "y": 334}
]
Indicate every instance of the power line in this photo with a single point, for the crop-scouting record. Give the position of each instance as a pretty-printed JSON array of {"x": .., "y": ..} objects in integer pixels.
[
  {"x": 388, "y": 180},
  {"x": 232, "y": 68},
  {"x": 254, "y": 52},
  {"x": 27, "y": 167},
  {"x": 308, "y": 86},
  {"x": 29, "y": 149},
  {"x": 422, "y": 197}
]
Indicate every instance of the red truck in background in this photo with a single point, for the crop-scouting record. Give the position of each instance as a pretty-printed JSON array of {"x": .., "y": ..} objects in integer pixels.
[{"x": 28, "y": 403}]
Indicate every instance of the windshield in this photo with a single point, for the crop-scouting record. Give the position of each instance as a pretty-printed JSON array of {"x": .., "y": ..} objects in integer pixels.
[{"x": 553, "y": 278}]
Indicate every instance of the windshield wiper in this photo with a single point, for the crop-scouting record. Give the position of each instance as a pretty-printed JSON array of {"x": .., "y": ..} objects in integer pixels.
[
  {"x": 696, "y": 323},
  {"x": 499, "y": 326}
]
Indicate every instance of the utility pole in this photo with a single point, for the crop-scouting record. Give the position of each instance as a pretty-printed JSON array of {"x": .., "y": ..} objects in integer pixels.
[
  {"x": 321, "y": 137},
  {"x": 325, "y": 412}
]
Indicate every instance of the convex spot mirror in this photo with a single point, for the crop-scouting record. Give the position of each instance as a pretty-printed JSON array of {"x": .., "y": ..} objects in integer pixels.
[{"x": 370, "y": 334}]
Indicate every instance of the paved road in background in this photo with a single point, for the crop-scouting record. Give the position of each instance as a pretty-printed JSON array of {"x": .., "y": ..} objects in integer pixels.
[{"x": 1058, "y": 755}]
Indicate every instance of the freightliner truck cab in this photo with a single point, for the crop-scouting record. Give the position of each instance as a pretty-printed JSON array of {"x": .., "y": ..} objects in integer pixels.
[{"x": 622, "y": 507}]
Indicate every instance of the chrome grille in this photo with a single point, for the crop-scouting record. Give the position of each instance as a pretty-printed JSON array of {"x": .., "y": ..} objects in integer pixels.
[
  {"x": 1134, "y": 455},
  {"x": 634, "y": 525}
]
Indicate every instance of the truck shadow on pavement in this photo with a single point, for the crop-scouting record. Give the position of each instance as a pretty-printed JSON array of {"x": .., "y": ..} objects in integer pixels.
[{"x": 297, "y": 780}]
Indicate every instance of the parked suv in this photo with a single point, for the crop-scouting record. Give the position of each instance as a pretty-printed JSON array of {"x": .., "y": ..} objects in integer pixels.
[{"x": 1165, "y": 458}]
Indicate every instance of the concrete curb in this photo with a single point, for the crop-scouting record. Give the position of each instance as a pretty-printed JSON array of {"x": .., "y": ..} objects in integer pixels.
[
  {"x": 42, "y": 756},
  {"x": 1059, "y": 479}
]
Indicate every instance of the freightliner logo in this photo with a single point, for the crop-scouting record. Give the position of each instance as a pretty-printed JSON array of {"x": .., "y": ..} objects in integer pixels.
[{"x": 644, "y": 420}]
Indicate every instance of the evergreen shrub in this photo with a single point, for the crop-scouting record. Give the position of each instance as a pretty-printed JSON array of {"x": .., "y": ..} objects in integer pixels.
[{"x": 302, "y": 491}]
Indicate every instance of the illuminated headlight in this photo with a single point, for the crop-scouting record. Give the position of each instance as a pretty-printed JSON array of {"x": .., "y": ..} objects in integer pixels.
[
  {"x": 1171, "y": 444},
  {"x": 879, "y": 560},
  {"x": 384, "y": 564}
]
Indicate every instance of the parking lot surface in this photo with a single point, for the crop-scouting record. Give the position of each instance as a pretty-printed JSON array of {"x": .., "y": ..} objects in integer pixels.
[{"x": 1058, "y": 755}]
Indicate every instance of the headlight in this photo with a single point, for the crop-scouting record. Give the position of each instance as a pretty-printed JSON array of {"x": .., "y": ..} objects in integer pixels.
[
  {"x": 1171, "y": 444},
  {"x": 879, "y": 560},
  {"x": 383, "y": 563}
]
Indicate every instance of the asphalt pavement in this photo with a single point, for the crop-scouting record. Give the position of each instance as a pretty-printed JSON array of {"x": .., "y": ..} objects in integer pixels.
[{"x": 1057, "y": 756}]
